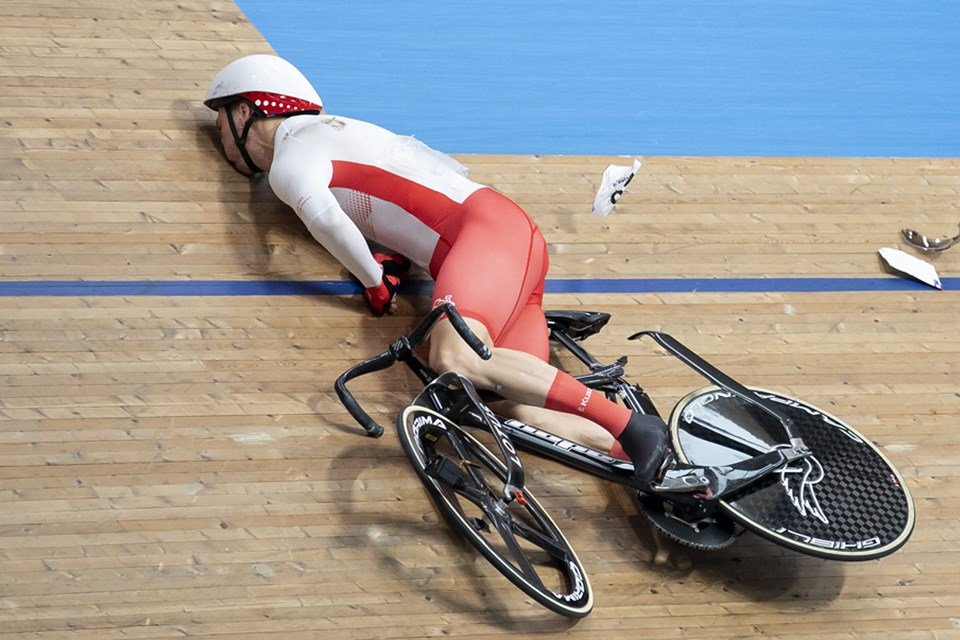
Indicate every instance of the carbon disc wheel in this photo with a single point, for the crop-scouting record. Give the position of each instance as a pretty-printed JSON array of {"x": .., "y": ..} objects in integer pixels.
[{"x": 845, "y": 502}]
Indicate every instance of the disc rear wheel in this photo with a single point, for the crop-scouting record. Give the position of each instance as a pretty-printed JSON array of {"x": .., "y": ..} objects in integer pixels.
[{"x": 845, "y": 502}]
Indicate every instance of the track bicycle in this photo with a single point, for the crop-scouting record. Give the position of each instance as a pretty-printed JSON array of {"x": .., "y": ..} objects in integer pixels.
[{"x": 741, "y": 458}]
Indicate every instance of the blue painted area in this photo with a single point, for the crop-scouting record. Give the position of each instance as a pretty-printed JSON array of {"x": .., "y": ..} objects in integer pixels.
[
  {"x": 795, "y": 77},
  {"x": 79, "y": 288}
]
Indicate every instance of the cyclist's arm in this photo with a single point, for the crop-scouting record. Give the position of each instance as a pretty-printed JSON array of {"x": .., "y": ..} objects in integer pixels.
[{"x": 305, "y": 187}]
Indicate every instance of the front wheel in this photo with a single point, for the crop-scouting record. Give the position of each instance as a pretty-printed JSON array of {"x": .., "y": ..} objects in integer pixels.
[
  {"x": 845, "y": 502},
  {"x": 466, "y": 482}
]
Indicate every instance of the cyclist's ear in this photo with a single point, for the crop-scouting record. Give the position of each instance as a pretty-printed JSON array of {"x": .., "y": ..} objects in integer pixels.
[{"x": 240, "y": 111}]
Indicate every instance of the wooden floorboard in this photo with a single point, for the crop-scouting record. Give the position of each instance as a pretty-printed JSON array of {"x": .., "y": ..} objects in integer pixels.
[{"x": 180, "y": 467}]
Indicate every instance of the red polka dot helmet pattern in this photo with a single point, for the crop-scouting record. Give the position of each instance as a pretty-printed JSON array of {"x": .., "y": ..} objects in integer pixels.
[
  {"x": 272, "y": 104},
  {"x": 271, "y": 83}
]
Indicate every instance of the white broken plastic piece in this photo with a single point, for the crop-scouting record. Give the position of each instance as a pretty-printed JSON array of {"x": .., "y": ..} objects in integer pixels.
[
  {"x": 614, "y": 183},
  {"x": 908, "y": 264}
]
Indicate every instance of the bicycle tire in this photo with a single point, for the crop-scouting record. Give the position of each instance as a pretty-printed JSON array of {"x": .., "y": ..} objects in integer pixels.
[
  {"x": 550, "y": 552},
  {"x": 847, "y": 503}
]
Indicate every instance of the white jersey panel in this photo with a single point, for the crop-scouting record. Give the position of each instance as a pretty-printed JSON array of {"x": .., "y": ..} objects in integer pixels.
[
  {"x": 307, "y": 149},
  {"x": 345, "y": 139},
  {"x": 301, "y": 180},
  {"x": 411, "y": 159},
  {"x": 389, "y": 225}
]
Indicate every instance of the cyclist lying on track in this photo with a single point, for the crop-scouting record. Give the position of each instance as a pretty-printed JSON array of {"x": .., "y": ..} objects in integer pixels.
[{"x": 350, "y": 181}]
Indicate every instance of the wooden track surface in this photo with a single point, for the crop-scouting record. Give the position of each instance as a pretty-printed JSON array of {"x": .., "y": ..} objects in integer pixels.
[{"x": 179, "y": 467}]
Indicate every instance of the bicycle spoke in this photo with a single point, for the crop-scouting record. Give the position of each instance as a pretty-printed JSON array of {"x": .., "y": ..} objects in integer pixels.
[
  {"x": 451, "y": 495},
  {"x": 462, "y": 451},
  {"x": 505, "y": 529},
  {"x": 520, "y": 558},
  {"x": 474, "y": 495},
  {"x": 536, "y": 537}
]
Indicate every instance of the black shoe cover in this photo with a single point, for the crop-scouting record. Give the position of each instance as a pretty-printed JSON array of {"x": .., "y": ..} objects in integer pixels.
[{"x": 646, "y": 443}]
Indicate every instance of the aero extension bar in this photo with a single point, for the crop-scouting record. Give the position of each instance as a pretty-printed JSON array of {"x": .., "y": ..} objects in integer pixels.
[{"x": 400, "y": 350}]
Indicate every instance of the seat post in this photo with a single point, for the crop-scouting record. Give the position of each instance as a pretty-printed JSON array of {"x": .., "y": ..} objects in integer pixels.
[{"x": 573, "y": 347}]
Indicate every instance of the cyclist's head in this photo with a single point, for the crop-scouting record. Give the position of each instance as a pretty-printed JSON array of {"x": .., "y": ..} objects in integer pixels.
[{"x": 253, "y": 87}]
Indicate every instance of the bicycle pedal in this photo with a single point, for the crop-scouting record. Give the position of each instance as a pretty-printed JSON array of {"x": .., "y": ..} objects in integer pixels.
[{"x": 682, "y": 481}]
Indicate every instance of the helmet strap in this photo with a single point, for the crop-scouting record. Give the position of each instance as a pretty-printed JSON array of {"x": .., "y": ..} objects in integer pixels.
[{"x": 241, "y": 140}]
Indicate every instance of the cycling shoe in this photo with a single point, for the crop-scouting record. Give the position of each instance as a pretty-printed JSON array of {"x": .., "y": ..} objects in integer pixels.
[{"x": 646, "y": 442}]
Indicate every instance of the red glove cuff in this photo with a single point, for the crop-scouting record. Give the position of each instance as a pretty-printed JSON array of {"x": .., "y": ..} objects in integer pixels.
[
  {"x": 393, "y": 264},
  {"x": 380, "y": 297}
]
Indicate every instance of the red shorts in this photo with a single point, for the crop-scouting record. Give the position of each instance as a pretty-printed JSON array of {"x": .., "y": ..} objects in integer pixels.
[{"x": 493, "y": 266}]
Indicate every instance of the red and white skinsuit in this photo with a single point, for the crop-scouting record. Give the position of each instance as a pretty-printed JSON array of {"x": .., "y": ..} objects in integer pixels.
[{"x": 349, "y": 179}]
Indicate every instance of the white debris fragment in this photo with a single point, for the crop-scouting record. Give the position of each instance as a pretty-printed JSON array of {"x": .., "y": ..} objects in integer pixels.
[
  {"x": 908, "y": 264},
  {"x": 612, "y": 185}
]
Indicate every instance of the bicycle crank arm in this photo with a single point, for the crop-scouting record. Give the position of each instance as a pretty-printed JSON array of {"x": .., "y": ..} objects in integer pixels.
[{"x": 714, "y": 483}]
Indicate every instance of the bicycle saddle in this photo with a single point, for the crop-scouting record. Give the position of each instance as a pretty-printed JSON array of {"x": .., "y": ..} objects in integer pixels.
[{"x": 577, "y": 324}]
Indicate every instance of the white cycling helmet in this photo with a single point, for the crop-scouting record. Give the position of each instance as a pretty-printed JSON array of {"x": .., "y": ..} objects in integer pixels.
[
  {"x": 274, "y": 86},
  {"x": 271, "y": 83}
]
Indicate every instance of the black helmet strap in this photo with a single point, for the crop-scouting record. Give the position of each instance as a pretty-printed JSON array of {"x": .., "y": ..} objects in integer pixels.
[{"x": 241, "y": 140}]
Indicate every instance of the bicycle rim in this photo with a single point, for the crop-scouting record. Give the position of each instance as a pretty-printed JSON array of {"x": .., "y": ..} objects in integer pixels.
[
  {"x": 847, "y": 502},
  {"x": 522, "y": 542}
]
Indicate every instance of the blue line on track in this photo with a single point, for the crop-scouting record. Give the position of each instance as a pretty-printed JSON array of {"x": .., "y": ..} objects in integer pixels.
[{"x": 76, "y": 288}]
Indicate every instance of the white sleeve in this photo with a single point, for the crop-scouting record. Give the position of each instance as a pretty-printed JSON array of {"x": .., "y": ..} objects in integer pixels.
[{"x": 305, "y": 187}]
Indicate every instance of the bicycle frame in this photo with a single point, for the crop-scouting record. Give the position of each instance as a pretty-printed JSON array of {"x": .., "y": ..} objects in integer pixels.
[{"x": 696, "y": 486}]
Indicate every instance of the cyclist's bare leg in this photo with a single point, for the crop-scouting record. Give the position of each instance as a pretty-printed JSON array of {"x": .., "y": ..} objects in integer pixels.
[
  {"x": 516, "y": 375},
  {"x": 520, "y": 377},
  {"x": 526, "y": 379},
  {"x": 566, "y": 425}
]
